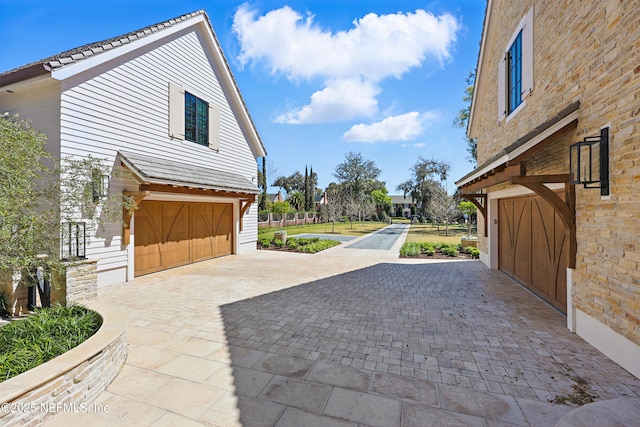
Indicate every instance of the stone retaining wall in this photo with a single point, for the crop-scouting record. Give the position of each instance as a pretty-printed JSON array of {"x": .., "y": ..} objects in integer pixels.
[{"x": 71, "y": 381}]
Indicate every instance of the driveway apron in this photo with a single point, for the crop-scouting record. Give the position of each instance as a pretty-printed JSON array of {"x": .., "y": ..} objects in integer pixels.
[
  {"x": 345, "y": 338},
  {"x": 382, "y": 239}
]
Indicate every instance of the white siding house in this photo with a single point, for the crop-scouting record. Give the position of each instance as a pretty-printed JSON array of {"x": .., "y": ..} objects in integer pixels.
[{"x": 123, "y": 100}]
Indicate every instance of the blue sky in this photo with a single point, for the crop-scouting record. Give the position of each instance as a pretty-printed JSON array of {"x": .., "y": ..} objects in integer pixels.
[{"x": 320, "y": 78}]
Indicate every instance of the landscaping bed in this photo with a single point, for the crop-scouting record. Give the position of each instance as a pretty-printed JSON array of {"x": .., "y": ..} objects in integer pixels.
[
  {"x": 309, "y": 245},
  {"x": 438, "y": 251},
  {"x": 42, "y": 336}
]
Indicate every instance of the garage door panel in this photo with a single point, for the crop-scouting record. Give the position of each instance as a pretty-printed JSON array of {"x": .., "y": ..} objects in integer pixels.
[
  {"x": 175, "y": 228},
  {"x": 507, "y": 250},
  {"x": 534, "y": 247},
  {"x": 522, "y": 249},
  {"x": 171, "y": 234},
  {"x": 148, "y": 238},
  {"x": 223, "y": 229},
  {"x": 202, "y": 232}
]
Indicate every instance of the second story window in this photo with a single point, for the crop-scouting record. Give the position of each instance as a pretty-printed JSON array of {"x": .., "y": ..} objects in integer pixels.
[
  {"x": 514, "y": 68},
  {"x": 193, "y": 119},
  {"x": 196, "y": 119}
]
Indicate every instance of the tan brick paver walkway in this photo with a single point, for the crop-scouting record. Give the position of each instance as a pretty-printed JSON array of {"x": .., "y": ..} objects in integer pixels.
[{"x": 345, "y": 337}]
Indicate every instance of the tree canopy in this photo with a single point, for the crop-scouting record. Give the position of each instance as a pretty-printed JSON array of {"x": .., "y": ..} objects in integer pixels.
[
  {"x": 462, "y": 119},
  {"x": 357, "y": 174},
  {"x": 421, "y": 186}
]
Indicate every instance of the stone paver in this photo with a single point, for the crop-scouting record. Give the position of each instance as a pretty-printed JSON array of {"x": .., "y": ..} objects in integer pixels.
[{"x": 344, "y": 337}]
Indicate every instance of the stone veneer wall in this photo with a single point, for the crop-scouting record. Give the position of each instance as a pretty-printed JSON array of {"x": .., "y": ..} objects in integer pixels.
[
  {"x": 70, "y": 382},
  {"x": 82, "y": 282},
  {"x": 588, "y": 52}
]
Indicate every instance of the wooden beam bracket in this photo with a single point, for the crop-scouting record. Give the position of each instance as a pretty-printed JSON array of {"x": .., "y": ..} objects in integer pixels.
[
  {"x": 480, "y": 201},
  {"x": 245, "y": 204},
  {"x": 137, "y": 197},
  {"x": 566, "y": 208}
]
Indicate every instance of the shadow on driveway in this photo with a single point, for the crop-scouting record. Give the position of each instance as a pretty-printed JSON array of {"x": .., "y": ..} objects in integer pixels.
[{"x": 398, "y": 344}]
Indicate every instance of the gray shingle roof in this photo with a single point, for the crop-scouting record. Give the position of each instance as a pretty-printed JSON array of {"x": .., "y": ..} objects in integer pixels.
[
  {"x": 79, "y": 53},
  {"x": 161, "y": 171}
]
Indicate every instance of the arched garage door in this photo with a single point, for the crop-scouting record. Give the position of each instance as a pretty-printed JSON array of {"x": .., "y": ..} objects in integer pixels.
[
  {"x": 534, "y": 247},
  {"x": 171, "y": 234}
]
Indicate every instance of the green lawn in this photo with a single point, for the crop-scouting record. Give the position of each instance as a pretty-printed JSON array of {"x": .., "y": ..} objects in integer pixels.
[
  {"x": 429, "y": 233},
  {"x": 342, "y": 228}
]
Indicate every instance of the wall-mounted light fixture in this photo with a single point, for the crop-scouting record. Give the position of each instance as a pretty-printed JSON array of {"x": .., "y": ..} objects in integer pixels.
[
  {"x": 589, "y": 162},
  {"x": 100, "y": 186}
]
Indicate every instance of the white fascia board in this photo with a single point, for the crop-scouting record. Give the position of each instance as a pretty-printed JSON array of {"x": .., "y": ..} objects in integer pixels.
[
  {"x": 500, "y": 161},
  {"x": 99, "y": 59},
  {"x": 236, "y": 97},
  {"x": 522, "y": 149}
]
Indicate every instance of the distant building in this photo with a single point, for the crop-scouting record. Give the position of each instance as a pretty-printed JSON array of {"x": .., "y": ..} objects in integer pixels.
[{"x": 405, "y": 203}]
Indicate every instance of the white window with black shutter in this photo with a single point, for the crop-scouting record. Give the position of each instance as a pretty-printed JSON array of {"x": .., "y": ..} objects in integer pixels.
[
  {"x": 515, "y": 70},
  {"x": 191, "y": 118}
]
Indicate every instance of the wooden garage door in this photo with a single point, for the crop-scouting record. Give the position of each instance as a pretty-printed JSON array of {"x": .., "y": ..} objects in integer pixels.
[
  {"x": 171, "y": 234},
  {"x": 534, "y": 247}
]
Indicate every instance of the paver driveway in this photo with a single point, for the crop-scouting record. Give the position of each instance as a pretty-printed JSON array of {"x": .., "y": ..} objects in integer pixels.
[{"x": 342, "y": 338}]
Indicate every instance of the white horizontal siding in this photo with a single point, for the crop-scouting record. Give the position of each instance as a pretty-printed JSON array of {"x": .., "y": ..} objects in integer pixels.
[
  {"x": 39, "y": 103},
  {"x": 126, "y": 108},
  {"x": 250, "y": 225}
]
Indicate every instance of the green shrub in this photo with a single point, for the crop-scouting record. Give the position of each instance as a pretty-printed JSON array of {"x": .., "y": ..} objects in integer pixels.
[
  {"x": 474, "y": 252},
  {"x": 318, "y": 245},
  {"x": 410, "y": 249},
  {"x": 45, "y": 334},
  {"x": 427, "y": 247},
  {"x": 292, "y": 244},
  {"x": 265, "y": 242},
  {"x": 449, "y": 250},
  {"x": 278, "y": 243},
  {"x": 429, "y": 251},
  {"x": 304, "y": 241}
]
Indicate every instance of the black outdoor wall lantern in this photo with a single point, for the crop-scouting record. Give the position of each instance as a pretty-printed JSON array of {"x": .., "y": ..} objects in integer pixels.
[
  {"x": 589, "y": 162},
  {"x": 100, "y": 186}
]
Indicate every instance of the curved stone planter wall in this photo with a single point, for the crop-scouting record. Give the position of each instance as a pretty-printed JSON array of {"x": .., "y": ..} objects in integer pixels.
[{"x": 70, "y": 381}]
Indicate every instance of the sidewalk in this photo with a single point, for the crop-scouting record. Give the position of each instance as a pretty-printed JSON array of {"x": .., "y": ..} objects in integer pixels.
[{"x": 344, "y": 338}]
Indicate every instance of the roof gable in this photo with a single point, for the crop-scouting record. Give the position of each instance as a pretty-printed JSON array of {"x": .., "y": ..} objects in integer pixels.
[{"x": 74, "y": 61}]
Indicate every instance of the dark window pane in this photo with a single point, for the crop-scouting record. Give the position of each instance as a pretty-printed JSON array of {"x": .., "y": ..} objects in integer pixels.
[
  {"x": 515, "y": 73},
  {"x": 196, "y": 119},
  {"x": 190, "y": 117},
  {"x": 203, "y": 123}
]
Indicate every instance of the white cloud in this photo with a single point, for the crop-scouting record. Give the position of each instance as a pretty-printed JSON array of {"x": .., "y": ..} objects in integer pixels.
[
  {"x": 403, "y": 127},
  {"x": 375, "y": 48},
  {"x": 341, "y": 99}
]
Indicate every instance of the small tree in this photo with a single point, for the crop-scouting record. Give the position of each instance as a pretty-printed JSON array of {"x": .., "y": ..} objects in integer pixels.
[
  {"x": 443, "y": 207},
  {"x": 280, "y": 208},
  {"x": 296, "y": 200},
  {"x": 382, "y": 200},
  {"x": 331, "y": 212},
  {"x": 468, "y": 208},
  {"x": 37, "y": 196}
]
